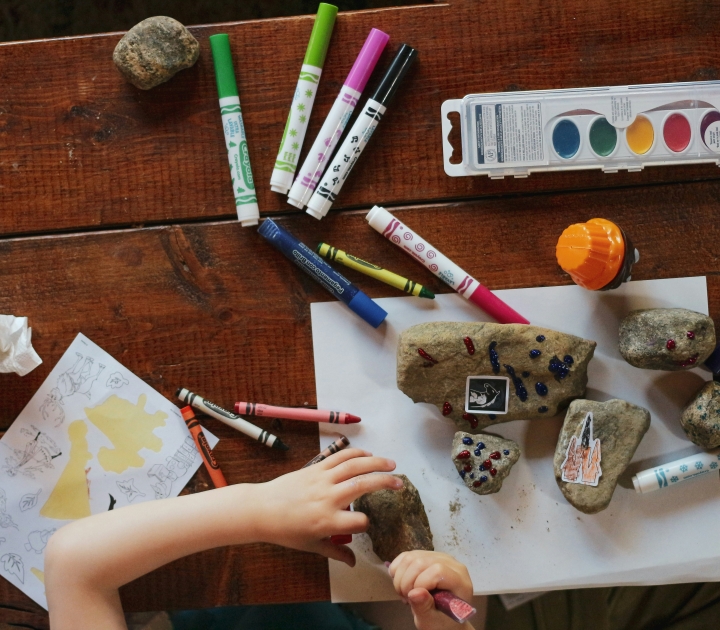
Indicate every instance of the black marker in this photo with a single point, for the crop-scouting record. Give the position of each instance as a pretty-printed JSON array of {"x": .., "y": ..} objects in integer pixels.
[{"x": 366, "y": 123}]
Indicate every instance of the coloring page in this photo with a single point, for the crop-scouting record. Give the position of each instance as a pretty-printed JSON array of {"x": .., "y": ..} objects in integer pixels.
[{"x": 93, "y": 438}]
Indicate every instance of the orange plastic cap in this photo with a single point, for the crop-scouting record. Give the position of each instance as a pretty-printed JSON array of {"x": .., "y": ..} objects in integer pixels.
[{"x": 592, "y": 253}]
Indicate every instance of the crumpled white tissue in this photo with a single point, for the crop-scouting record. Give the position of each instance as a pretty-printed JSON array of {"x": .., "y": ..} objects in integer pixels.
[{"x": 16, "y": 352}]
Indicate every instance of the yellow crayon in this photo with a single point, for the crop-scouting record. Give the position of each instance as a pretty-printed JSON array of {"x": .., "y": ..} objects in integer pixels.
[{"x": 388, "y": 277}]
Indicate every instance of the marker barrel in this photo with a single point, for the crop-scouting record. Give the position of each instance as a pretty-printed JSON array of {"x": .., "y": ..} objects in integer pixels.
[
  {"x": 297, "y": 123},
  {"x": 235, "y": 141},
  {"x": 671, "y": 474},
  {"x": 203, "y": 448},
  {"x": 295, "y": 413},
  {"x": 324, "y": 274},
  {"x": 334, "y": 125},
  {"x": 229, "y": 418},
  {"x": 384, "y": 222}
]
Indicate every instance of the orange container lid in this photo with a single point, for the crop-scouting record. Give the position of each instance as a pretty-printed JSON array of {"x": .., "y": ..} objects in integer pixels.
[{"x": 592, "y": 253}]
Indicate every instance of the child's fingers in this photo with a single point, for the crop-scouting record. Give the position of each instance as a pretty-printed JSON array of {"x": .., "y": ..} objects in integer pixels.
[
  {"x": 361, "y": 466},
  {"x": 399, "y": 559},
  {"x": 341, "y": 553},
  {"x": 445, "y": 577},
  {"x": 342, "y": 456},
  {"x": 350, "y": 523},
  {"x": 357, "y": 486},
  {"x": 421, "y": 602},
  {"x": 412, "y": 570}
]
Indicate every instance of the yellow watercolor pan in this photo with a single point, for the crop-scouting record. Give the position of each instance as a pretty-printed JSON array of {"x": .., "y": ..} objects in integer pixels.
[{"x": 640, "y": 136}]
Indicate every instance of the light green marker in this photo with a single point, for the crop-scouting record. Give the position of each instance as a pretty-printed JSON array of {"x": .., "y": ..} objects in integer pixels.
[
  {"x": 235, "y": 141},
  {"x": 302, "y": 103}
]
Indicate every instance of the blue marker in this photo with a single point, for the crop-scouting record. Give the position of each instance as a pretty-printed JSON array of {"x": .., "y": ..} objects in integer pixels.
[{"x": 317, "y": 268}]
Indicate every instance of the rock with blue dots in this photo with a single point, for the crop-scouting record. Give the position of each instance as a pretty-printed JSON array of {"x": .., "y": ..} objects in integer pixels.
[{"x": 483, "y": 461}]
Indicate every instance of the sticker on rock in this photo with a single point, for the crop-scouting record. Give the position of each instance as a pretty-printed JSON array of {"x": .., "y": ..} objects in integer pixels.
[
  {"x": 582, "y": 458},
  {"x": 487, "y": 394}
]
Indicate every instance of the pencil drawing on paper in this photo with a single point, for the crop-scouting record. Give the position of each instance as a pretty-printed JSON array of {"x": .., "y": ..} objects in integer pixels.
[
  {"x": 80, "y": 377},
  {"x": 5, "y": 519},
  {"x": 29, "y": 500},
  {"x": 127, "y": 487},
  {"x": 116, "y": 381},
  {"x": 36, "y": 457},
  {"x": 52, "y": 408},
  {"x": 38, "y": 539},
  {"x": 13, "y": 564}
]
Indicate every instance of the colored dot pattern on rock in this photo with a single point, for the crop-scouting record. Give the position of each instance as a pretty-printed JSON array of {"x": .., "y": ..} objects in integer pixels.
[
  {"x": 690, "y": 334},
  {"x": 471, "y": 419},
  {"x": 426, "y": 356},
  {"x": 447, "y": 409},
  {"x": 540, "y": 338},
  {"x": 467, "y": 467},
  {"x": 559, "y": 368},
  {"x": 568, "y": 359},
  {"x": 541, "y": 389},
  {"x": 463, "y": 455},
  {"x": 520, "y": 390},
  {"x": 506, "y": 452},
  {"x": 495, "y": 455},
  {"x": 469, "y": 345},
  {"x": 534, "y": 354},
  {"x": 467, "y": 440},
  {"x": 542, "y": 409},
  {"x": 494, "y": 358},
  {"x": 481, "y": 445},
  {"x": 493, "y": 472},
  {"x": 670, "y": 345},
  {"x": 492, "y": 416},
  {"x": 526, "y": 374}
]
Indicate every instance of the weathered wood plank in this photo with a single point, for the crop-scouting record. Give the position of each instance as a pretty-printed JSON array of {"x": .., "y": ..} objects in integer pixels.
[{"x": 80, "y": 148}]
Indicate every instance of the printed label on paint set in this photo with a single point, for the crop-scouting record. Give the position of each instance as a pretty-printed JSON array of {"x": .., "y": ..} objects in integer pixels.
[{"x": 609, "y": 128}]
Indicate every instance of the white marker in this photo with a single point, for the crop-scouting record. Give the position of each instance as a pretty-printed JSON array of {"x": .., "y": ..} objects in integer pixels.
[
  {"x": 673, "y": 473},
  {"x": 360, "y": 134},
  {"x": 334, "y": 125},
  {"x": 302, "y": 103}
]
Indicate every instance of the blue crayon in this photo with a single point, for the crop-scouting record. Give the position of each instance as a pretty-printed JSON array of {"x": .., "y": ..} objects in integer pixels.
[{"x": 316, "y": 267}]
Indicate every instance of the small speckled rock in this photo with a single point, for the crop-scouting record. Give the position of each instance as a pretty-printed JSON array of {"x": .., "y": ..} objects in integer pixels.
[
  {"x": 154, "y": 50},
  {"x": 701, "y": 418},
  {"x": 547, "y": 369},
  {"x": 483, "y": 460},
  {"x": 666, "y": 338},
  {"x": 620, "y": 426},
  {"x": 397, "y": 521}
]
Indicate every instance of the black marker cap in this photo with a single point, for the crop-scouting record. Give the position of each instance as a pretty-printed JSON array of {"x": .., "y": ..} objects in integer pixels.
[{"x": 394, "y": 75}]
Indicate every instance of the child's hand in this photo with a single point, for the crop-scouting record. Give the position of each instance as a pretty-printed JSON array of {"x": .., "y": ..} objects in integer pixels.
[
  {"x": 415, "y": 573},
  {"x": 302, "y": 509}
]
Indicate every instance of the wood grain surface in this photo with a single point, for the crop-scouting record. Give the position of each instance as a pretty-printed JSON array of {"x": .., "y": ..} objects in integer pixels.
[{"x": 116, "y": 218}]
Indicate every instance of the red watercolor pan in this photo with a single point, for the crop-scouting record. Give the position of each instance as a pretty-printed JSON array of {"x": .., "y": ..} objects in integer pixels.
[{"x": 677, "y": 132}]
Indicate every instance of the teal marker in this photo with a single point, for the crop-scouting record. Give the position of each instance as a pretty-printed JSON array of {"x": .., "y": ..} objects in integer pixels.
[
  {"x": 235, "y": 141},
  {"x": 297, "y": 123}
]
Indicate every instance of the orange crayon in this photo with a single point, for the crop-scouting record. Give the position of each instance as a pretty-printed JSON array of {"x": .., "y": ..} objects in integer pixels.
[{"x": 203, "y": 447}]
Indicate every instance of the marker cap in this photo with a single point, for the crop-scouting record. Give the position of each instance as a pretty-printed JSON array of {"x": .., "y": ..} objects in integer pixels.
[
  {"x": 320, "y": 36},
  {"x": 224, "y": 71},
  {"x": 366, "y": 60},
  {"x": 363, "y": 306},
  {"x": 399, "y": 67}
]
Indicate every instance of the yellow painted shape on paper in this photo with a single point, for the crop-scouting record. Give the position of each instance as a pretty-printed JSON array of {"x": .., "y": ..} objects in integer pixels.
[
  {"x": 130, "y": 428},
  {"x": 38, "y": 574},
  {"x": 70, "y": 497}
]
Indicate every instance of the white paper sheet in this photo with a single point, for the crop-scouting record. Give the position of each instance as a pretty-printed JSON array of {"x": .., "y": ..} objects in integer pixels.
[
  {"x": 129, "y": 444},
  {"x": 527, "y": 537}
]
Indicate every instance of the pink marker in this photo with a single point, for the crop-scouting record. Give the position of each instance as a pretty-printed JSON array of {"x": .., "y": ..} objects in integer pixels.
[
  {"x": 444, "y": 268},
  {"x": 319, "y": 156},
  {"x": 295, "y": 413}
]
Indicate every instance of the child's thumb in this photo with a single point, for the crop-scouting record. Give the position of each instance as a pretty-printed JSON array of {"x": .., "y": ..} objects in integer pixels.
[{"x": 421, "y": 602}]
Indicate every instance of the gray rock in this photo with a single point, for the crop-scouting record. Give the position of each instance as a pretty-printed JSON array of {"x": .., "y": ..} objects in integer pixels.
[
  {"x": 459, "y": 349},
  {"x": 620, "y": 427},
  {"x": 701, "y": 418},
  {"x": 397, "y": 521},
  {"x": 154, "y": 50},
  {"x": 483, "y": 460},
  {"x": 666, "y": 338}
]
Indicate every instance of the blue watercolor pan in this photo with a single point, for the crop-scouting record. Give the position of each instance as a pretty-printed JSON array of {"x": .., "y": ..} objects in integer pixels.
[{"x": 566, "y": 139}]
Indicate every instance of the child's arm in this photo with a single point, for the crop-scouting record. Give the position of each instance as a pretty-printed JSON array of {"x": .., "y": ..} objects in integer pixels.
[
  {"x": 415, "y": 573},
  {"x": 88, "y": 560}
]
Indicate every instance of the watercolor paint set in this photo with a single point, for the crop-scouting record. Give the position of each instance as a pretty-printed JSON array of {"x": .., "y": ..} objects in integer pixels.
[{"x": 610, "y": 128}]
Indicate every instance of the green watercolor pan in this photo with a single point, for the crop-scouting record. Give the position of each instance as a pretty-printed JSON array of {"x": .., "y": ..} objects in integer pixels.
[{"x": 608, "y": 128}]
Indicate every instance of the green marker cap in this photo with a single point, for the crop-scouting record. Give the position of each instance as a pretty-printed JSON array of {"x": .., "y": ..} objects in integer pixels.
[
  {"x": 320, "y": 36},
  {"x": 224, "y": 71}
]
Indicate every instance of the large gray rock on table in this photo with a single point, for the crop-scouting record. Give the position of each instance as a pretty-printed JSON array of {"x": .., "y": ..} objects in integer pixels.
[
  {"x": 154, "y": 50},
  {"x": 701, "y": 418},
  {"x": 619, "y": 426},
  {"x": 666, "y": 338},
  {"x": 483, "y": 460},
  {"x": 397, "y": 521},
  {"x": 547, "y": 369}
]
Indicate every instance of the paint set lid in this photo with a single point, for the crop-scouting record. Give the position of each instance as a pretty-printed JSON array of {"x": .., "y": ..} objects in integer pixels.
[
  {"x": 367, "y": 59},
  {"x": 320, "y": 36},
  {"x": 224, "y": 71}
]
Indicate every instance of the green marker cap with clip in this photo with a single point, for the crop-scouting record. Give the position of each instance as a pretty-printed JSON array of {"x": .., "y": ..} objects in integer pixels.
[
  {"x": 320, "y": 36},
  {"x": 224, "y": 71}
]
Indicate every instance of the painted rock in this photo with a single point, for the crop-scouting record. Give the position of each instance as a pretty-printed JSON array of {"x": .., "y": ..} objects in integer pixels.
[
  {"x": 544, "y": 369},
  {"x": 596, "y": 444},
  {"x": 701, "y": 418},
  {"x": 397, "y": 521},
  {"x": 489, "y": 460},
  {"x": 666, "y": 338},
  {"x": 154, "y": 50}
]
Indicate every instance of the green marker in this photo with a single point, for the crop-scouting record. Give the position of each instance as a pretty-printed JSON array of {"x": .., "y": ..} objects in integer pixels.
[
  {"x": 297, "y": 123},
  {"x": 235, "y": 141}
]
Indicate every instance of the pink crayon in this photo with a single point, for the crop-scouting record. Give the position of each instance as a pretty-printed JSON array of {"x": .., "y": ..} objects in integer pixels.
[
  {"x": 452, "y": 605},
  {"x": 294, "y": 413},
  {"x": 444, "y": 268}
]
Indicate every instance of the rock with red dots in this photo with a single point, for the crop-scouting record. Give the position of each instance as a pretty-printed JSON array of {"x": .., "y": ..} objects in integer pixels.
[
  {"x": 398, "y": 521},
  {"x": 701, "y": 418},
  {"x": 523, "y": 372},
  {"x": 666, "y": 338},
  {"x": 483, "y": 460}
]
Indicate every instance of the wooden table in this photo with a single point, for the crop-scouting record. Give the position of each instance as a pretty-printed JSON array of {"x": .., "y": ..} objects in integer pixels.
[{"x": 117, "y": 219}]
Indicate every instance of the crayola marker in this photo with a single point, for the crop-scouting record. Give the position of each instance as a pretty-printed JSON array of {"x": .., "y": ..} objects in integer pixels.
[
  {"x": 235, "y": 141},
  {"x": 334, "y": 125},
  {"x": 302, "y": 103},
  {"x": 203, "y": 447},
  {"x": 360, "y": 134}
]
